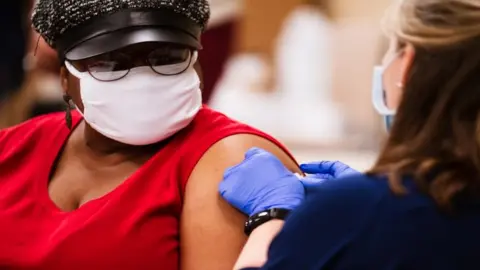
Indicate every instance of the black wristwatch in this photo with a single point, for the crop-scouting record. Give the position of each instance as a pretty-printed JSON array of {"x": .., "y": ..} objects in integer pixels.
[{"x": 263, "y": 217}]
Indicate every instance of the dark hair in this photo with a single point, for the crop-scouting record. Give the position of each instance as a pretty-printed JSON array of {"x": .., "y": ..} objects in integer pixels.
[{"x": 435, "y": 138}]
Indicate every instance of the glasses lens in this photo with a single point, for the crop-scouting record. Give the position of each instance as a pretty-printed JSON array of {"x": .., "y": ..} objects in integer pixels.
[
  {"x": 170, "y": 60},
  {"x": 109, "y": 67}
]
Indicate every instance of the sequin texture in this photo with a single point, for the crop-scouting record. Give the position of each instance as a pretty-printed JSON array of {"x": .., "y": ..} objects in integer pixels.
[{"x": 52, "y": 18}]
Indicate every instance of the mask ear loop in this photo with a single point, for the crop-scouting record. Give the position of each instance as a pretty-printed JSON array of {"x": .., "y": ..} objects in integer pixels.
[{"x": 378, "y": 94}]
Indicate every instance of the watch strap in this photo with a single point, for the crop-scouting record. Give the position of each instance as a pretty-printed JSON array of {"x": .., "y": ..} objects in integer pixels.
[{"x": 263, "y": 217}]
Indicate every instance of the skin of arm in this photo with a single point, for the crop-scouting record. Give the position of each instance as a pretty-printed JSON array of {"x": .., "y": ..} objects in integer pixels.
[
  {"x": 254, "y": 254},
  {"x": 211, "y": 230}
]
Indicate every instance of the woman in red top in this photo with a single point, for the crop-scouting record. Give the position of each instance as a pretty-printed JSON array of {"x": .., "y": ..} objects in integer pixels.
[{"x": 129, "y": 179}]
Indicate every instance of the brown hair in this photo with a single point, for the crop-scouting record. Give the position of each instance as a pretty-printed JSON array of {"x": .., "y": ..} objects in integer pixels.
[{"x": 435, "y": 137}]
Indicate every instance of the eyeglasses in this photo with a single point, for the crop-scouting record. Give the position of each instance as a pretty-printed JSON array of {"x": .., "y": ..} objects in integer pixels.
[{"x": 167, "y": 61}]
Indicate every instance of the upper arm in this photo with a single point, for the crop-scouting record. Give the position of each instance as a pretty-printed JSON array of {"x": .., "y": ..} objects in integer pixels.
[
  {"x": 324, "y": 226},
  {"x": 211, "y": 230}
]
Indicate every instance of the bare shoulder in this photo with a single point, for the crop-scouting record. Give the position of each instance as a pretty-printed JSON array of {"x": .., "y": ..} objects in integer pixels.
[
  {"x": 231, "y": 150},
  {"x": 211, "y": 230}
]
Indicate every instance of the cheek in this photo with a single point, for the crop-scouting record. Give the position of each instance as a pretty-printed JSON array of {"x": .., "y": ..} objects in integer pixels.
[{"x": 393, "y": 92}]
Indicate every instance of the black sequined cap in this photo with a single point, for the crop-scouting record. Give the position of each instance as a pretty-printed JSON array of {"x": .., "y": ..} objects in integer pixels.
[{"x": 84, "y": 28}]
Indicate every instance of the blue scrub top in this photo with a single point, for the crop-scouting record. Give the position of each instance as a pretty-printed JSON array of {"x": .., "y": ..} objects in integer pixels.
[{"x": 357, "y": 223}]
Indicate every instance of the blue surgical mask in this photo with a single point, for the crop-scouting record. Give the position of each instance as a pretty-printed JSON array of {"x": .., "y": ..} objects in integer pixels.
[
  {"x": 379, "y": 99},
  {"x": 388, "y": 121}
]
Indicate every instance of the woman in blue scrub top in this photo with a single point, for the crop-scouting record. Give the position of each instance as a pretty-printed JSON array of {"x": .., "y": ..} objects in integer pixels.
[{"x": 419, "y": 206}]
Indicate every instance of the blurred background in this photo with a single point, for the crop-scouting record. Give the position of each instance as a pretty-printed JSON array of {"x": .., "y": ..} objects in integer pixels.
[{"x": 298, "y": 69}]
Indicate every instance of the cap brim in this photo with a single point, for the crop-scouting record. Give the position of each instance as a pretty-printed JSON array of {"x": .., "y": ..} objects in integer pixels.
[{"x": 119, "y": 39}]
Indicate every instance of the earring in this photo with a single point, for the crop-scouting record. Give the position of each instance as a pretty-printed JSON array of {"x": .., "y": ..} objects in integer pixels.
[{"x": 68, "y": 113}]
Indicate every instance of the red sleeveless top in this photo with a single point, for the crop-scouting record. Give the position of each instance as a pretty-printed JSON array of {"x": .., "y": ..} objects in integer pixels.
[{"x": 136, "y": 226}]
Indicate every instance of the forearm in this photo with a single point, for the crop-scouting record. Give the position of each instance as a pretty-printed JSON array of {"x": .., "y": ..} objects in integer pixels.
[{"x": 254, "y": 254}]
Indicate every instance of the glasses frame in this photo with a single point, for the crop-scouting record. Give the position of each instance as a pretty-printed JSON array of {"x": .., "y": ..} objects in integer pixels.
[{"x": 191, "y": 51}]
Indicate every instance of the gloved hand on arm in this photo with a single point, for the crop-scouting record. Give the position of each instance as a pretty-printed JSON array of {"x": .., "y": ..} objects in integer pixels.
[
  {"x": 261, "y": 182},
  {"x": 325, "y": 170}
]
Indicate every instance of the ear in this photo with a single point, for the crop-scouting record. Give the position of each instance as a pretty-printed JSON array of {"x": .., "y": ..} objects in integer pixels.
[
  {"x": 64, "y": 79},
  {"x": 406, "y": 62}
]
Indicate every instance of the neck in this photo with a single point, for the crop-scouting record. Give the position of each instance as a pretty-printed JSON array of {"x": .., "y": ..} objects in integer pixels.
[{"x": 102, "y": 147}]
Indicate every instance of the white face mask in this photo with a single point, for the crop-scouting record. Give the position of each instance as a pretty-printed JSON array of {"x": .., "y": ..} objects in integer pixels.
[{"x": 141, "y": 108}]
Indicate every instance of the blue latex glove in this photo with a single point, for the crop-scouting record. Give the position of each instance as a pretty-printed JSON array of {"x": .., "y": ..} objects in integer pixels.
[
  {"x": 261, "y": 182},
  {"x": 325, "y": 170}
]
